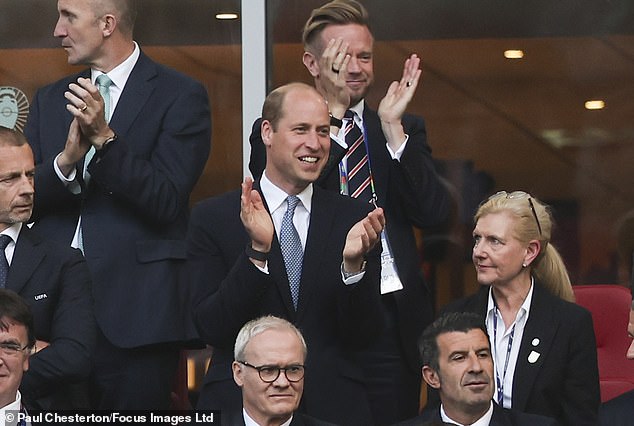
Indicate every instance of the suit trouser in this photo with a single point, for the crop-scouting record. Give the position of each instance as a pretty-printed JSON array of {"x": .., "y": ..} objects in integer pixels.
[{"x": 133, "y": 379}]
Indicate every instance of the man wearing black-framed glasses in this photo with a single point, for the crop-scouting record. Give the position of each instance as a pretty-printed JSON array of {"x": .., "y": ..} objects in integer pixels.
[{"x": 269, "y": 368}]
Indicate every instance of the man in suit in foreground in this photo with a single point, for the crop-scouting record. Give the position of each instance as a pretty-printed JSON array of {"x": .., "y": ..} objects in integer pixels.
[
  {"x": 399, "y": 175},
  {"x": 118, "y": 149},
  {"x": 314, "y": 266},
  {"x": 54, "y": 281},
  {"x": 269, "y": 358},
  {"x": 620, "y": 410},
  {"x": 16, "y": 343},
  {"x": 457, "y": 361}
]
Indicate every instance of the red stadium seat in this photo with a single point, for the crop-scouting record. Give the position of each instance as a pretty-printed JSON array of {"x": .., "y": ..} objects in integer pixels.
[{"x": 610, "y": 308}]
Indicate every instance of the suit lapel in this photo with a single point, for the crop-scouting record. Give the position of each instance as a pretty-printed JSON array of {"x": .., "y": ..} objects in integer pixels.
[
  {"x": 537, "y": 340},
  {"x": 321, "y": 218},
  {"x": 137, "y": 90},
  {"x": 26, "y": 258},
  {"x": 277, "y": 268},
  {"x": 498, "y": 418}
]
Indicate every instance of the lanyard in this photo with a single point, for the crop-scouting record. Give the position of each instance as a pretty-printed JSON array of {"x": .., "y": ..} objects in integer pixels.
[
  {"x": 500, "y": 383},
  {"x": 343, "y": 169}
]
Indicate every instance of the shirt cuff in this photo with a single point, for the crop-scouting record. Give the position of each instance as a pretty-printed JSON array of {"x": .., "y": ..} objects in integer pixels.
[
  {"x": 399, "y": 153},
  {"x": 264, "y": 269},
  {"x": 69, "y": 182},
  {"x": 349, "y": 279},
  {"x": 341, "y": 141}
]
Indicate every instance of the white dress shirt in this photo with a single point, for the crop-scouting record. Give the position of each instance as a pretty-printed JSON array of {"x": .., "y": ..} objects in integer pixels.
[
  {"x": 482, "y": 421},
  {"x": 499, "y": 343},
  {"x": 12, "y": 231},
  {"x": 248, "y": 421}
]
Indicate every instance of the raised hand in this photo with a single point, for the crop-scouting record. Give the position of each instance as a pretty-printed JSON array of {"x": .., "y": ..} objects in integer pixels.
[
  {"x": 87, "y": 106},
  {"x": 255, "y": 218},
  {"x": 361, "y": 238},
  {"x": 331, "y": 82},
  {"x": 76, "y": 147},
  {"x": 398, "y": 96}
]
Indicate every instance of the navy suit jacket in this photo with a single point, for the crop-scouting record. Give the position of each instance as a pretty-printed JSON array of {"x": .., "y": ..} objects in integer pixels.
[
  {"x": 412, "y": 194},
  {"x": 618, "y": 411},
  {"x": 501, "y": 417},
  {"x": 54, "y": 281},
  {"x": 135, "y": 210},
  {"x": 564, "y": 381},
  {"x": 335, "y": 319}
]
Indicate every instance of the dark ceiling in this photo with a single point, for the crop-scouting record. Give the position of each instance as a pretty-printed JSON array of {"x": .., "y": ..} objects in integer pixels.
[{"x": 165, "y": 22}]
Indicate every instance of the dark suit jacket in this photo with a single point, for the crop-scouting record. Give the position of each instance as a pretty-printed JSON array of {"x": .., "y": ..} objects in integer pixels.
[
  {"x": 501, "y": 417},
  {"x": 235, "y": 418},
  {"x": 411, "y": 193},
  {"x": 618, "y": 411},
  {"x": 54, "y": 281},
  {"x": 564, "y": 382},
  {"x": 135, "y": 210},
  {"x": 335, "y": 319}
]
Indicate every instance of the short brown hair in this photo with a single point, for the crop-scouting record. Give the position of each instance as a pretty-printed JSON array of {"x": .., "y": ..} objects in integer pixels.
[
  {"x": 11, "y": 137},
  {"x": 15, "y": 309},
  {"x": 336, "y": 12}
]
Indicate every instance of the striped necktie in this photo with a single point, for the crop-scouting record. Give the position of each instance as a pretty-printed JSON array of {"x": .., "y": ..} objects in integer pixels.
[{"x": 357, "y": 162}]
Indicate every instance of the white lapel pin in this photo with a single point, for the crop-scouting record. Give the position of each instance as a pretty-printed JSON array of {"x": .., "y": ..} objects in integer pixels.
[
  {"x": 533, "y": 357},
  {"x": 535, "y": 341}
]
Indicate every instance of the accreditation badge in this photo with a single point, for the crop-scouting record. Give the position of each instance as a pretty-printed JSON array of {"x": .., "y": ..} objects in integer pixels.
[{"x": 390, "y": 281}]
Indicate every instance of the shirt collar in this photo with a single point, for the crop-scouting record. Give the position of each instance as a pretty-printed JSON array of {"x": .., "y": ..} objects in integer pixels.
[
  {"x": 482, "y": 421},
  {"x": 13, "y": 231},
  {"x": 248, "y": 421},
  {"x": 119, "y": 74},
  {"x": 275, "y": 197},
  {"x": 358, "y": 109},
  {"x": 524, "y": 309},
  {"x": 15, "y": 405}
]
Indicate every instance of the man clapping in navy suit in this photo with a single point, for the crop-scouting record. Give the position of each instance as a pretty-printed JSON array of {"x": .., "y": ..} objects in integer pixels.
[
  {"x": 305, "y": 261},
  {"x": 118, "y": 148}
]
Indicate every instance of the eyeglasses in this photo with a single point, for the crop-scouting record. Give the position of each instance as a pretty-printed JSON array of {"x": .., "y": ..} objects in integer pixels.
[
  {"x": 11, "y": 349},
  {"x": 269, "y": 374},
  {"x": 520, "y": 194}
]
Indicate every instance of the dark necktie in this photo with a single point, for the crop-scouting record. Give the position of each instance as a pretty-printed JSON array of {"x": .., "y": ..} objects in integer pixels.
[
  {"x": 4, "y": 264},
  {"x": 357, "y": 162},
  {"x": 291, "y": 247}
]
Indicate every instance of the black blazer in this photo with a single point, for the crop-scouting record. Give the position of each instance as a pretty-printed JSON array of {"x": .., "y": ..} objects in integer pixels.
[
  {"x": 501, "y": 417},
  {"x": 564, "y": 381},
  {"x": 54, "y": 281},
  {"x": 135, "y": 210},
  {"x": 411, "y": 193},
  {"x": 335, "y": 319}
]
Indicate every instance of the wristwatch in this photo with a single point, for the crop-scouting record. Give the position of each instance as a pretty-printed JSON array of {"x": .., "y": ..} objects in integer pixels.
[
  {"x": 257, "y": 255},
  {"x": 337, "y": 122},
  {"x": 347, "y": 275}
]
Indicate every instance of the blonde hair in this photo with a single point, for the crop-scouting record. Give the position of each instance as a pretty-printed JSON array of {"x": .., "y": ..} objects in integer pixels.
[
  {"x": 534, "y": 222},
  {"x": 336, "y": 12}
]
